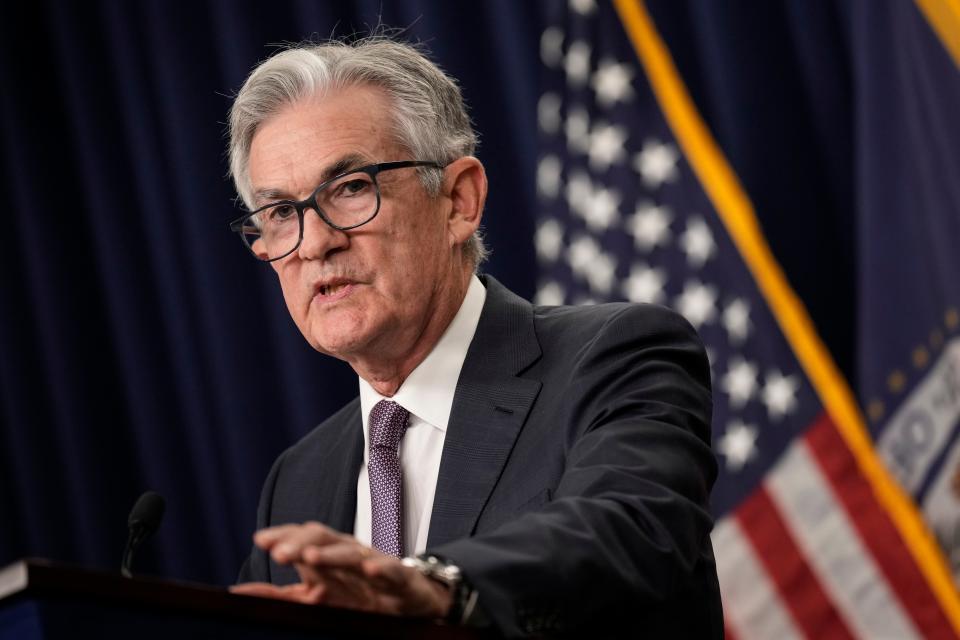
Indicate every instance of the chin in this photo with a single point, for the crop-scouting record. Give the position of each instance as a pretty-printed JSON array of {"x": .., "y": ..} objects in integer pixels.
[
  {"x": 336, "y": 334},
  {"x": 339, "y": 344}
]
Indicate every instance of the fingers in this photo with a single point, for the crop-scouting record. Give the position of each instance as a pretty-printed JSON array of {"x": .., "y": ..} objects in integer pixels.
[
  {"x": 320, "y": 554},
  {"x": 264, "y": 589},
  {"x": 336, "y": 562},
  {"x": 383, "y": 572},
  {"x": 287, "y": 542},
  {"x": 336, "y": 569},
  {"x": 344, "y": 554},
  {"x": 264, "y": 538},
  {"x": 303, "y": 593}
]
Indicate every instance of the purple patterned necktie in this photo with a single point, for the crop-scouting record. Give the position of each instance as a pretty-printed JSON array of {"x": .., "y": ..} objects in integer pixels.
[{"x": 388, "y": 422}]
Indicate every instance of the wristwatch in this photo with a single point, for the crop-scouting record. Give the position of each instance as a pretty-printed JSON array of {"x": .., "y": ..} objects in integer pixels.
[{"x": 450, "y": 576}]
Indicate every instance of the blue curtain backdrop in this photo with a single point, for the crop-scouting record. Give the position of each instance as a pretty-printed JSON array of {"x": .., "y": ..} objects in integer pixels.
[{"x": 141, "y": 347}]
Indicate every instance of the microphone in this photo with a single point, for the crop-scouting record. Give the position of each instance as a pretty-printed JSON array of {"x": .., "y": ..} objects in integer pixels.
[{"x": 144, "y": 519}]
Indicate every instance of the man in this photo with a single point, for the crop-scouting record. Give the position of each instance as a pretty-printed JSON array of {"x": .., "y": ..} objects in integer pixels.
[{"x": 550, "y": 467}]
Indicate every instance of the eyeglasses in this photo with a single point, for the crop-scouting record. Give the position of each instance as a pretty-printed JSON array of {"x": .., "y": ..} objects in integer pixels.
[{"x": 344, "y": 202}]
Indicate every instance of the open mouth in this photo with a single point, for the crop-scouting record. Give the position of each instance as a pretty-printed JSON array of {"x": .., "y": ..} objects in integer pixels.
[{"x": 332, "y": 289}]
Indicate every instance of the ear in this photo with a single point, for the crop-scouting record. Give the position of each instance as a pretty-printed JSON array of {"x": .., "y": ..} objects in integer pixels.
[{"x": 465, "y": 184}]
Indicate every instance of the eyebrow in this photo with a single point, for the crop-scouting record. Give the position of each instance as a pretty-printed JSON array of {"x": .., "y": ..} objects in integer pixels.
[
  {"x": 342, "y": 165},
  {"x": 346, "y": 163}
]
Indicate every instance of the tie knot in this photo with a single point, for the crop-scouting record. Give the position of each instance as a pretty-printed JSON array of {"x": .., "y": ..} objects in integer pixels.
[{"x": 388, "y": 422}]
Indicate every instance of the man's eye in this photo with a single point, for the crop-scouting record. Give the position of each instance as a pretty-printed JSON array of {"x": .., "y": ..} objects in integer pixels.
[
  {"x": 281, "y": 212},
  {"x": 353, "y": 187}
]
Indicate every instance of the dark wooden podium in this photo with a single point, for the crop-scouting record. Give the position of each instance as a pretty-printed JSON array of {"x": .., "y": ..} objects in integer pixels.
[{"x": 41, "y": 599}]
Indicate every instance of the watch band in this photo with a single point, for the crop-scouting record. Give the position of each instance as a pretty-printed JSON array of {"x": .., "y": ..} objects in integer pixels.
[{"x": 464, "y": 597}]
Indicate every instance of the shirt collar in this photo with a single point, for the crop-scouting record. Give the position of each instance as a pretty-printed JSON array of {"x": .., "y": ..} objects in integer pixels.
[{"x": 428, "y": 391}]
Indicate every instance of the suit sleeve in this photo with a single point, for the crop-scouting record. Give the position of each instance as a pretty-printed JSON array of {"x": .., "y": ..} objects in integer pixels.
[{"x": 626, "y": 535}]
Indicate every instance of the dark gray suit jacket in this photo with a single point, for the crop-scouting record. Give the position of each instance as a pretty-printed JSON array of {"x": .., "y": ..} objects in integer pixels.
[{"x": 575, "y": 476}]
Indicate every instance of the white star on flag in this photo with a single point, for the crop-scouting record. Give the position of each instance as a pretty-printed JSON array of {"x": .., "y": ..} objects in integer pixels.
[
  {"x": 606, "y": 146},
  {"x": 600, "y": 273},
  {"x": 697, "y": 242},
  {"x": 645, "y": 284},
  {"x": 600, "y": 209},
  {"x": 579, "y": 191},
  {"x": 736, "y": 320},
  {"x": 577, "y": 63},
  {"x": 583, "y": 7},
  {"x": 550, "y": 293},
  {"x": 779, "y": 394},
  {"x": 551, "y": 47},
  {"x": 696, "y": 303},
  {"x": 656, "y": 163},
  {"x": 612, "y": 83},
  {"x": 738, "y": 444},
  {"x": 549, "y": 240},
  {"x": 650, "y": 226},
  {"x": 740, "y": 381},
  {"x": 577, "y": 130},
  {"x": 548, "y": 176},
  {"x": 581, "y": 252},
  {"x": 548, "y": 113}
]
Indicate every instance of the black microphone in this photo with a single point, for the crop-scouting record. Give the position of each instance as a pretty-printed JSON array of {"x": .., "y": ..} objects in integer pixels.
[{"x": 144, "y": 519}]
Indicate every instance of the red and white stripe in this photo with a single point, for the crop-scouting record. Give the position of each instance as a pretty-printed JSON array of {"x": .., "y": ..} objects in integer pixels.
[
  {"x": 750, "y": 604},
  {"x": 812, "y": 553}
]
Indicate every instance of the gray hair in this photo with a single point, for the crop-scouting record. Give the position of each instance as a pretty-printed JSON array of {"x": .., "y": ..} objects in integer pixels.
[{"x": 430, "y": 119}]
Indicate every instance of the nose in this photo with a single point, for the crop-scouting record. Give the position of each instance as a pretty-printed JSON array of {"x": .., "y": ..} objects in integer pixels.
[{"x": 319, "y": 238}]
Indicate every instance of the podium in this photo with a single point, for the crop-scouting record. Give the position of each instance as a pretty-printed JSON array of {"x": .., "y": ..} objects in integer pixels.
[{"x": 45, "y": 600}]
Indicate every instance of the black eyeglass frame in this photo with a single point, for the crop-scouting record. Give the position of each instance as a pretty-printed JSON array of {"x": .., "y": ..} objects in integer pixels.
[{"x": 310, "y": 202}]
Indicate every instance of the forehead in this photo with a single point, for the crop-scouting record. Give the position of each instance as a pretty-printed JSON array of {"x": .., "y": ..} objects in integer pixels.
[{"x": 293, "y": 149}]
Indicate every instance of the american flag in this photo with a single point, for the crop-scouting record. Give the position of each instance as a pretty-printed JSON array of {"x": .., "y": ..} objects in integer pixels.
[{"x": 813, "y": 538}]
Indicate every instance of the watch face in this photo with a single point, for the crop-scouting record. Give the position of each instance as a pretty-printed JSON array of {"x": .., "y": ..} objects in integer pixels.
[
  {"x": 436, "y": 569},
  {"x": 452, "y": 572}
]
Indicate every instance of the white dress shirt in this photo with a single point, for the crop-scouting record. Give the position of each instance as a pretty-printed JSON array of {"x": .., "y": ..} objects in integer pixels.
[{"x": 427, "y": 394}]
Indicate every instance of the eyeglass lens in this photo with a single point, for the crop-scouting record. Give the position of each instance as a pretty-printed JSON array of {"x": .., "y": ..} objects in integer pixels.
[{"x": 348, "y": 201}]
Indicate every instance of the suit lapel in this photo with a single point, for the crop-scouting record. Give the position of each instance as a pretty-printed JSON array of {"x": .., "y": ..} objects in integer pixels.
[
  {"x": 338, "y": 481},
  {"x": 325, "y": 492},
  {"x": 489, "y": 409}
]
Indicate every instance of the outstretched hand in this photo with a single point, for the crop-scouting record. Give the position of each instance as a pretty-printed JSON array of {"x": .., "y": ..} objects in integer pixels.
[{"x": 337, "y": 570}]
